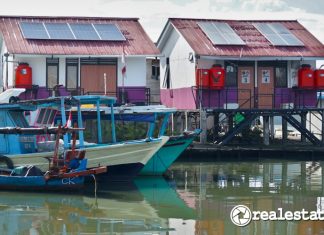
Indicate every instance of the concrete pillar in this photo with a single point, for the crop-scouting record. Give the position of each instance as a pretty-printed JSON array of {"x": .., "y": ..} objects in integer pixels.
[
  {"x": 230, "y": 121},
  {"x": 284, "y": 174},
  {"x": 284, "y": 129},
  {"x": 216, "y": 125},
  {"x": 303, "y": 177},
  {"x": 303, "y": 123},
  {"x": 272, "y": 129},
  {"x": 266, "y": 176},
  {"x": 186, "y": 121},
  {"x": 266, "y": 131},
  {"x": 322, "y": 131},
  {"x": 203, "y": 127},
  {"x": 172, "y": 123}
]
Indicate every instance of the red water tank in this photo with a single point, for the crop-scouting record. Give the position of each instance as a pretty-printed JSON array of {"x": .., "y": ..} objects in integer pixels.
[
  {"x": 202, "y": 78},
  {"x": 319, "y": 78},
  {"x": 216, "y": 77},
  {"x": 306, "y": 77},
  {"x": 24, "y": 76}
]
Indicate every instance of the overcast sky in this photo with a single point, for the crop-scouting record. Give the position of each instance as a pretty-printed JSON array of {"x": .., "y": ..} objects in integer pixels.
[{"x": 153, "y": 14}]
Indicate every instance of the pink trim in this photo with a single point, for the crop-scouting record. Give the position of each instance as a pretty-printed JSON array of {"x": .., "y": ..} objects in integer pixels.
[{"x": 178, "y": 98}]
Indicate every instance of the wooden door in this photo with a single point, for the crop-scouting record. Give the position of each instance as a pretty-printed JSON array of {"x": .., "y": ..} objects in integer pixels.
[
  {"x": 245, "y": 87},
  {"x": 265, "y": 87},
  {"x": 92, "y": 79}
]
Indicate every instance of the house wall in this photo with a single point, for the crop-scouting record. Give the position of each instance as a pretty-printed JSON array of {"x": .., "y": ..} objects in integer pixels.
[
  {"x": 135, "y": 75},
  {"x": 152, "y": 83},
  {"x": 135, "y": 72},
  {"x": 182, "y": 73}
]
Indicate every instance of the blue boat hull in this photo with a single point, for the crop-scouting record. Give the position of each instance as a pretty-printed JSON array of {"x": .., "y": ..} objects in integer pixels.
[
  {"x": 39, "y": 183},
  {"x": 122, "y": 172},
  {"x": 169, "y": 152}
]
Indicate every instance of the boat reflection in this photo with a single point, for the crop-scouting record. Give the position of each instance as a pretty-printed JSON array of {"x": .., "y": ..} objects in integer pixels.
[
  {"x": 142, "y": 207},
  {"x": 197, "y": 199}
]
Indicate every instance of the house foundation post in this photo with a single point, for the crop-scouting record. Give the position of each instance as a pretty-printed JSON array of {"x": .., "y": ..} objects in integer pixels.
[
  {"x": 266, "y": 130},
  {"x": 303, "y": 123}
]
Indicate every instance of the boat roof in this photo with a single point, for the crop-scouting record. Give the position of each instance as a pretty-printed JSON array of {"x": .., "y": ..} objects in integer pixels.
[
  {"x": 17, "y": 107},
  {"x": 127, "y": 109},
  {"x": 93, "y": 99},
  {"x": 70, "y": 100}
]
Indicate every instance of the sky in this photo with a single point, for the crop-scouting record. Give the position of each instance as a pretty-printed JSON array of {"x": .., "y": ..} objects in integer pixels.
[{"x": 153, "y": 14}]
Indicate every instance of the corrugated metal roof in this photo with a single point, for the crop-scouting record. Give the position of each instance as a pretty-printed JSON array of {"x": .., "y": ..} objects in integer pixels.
[
  {"x": 137, "y": 43},
  {"x": 256, "y": 44}
]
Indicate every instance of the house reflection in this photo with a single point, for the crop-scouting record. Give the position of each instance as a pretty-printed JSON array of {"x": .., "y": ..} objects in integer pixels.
[{"x": 262, "y": 186}]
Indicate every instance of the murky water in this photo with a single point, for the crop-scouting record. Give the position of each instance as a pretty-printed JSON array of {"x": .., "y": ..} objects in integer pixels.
[{"x": 197, "y": 198}]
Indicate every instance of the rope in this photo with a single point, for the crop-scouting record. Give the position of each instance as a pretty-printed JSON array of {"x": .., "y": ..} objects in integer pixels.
[{"x": 95, "y": 181}]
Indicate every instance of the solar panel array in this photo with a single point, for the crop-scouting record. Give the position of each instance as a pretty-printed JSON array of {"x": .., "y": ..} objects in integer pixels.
[
  {"x": 71, "y": 31},
  {"x": 220, "y": 33},
  {"x": 277, "y": 34}
]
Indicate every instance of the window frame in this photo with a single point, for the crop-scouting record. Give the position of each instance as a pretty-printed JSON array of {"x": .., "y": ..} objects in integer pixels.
[
  {"x": 72, "y": 62},
  {"x": 52, "y": 62}
]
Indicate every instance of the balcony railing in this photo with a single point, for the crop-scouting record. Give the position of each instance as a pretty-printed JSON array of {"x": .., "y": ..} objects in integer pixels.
[{"x": 230, "y": 98}]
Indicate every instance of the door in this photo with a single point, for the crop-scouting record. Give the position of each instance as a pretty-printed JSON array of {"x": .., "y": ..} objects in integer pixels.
[
  {"x": 93, "y": 79},
  {"x": 245, "y": 87},
  {"x": 265, "y": 87}
]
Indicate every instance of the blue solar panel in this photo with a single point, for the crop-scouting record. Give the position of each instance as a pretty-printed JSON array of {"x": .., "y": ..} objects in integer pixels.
[
  {"x": 31, "y": 30},
  {"x": 59, "y": 31},
  {"x": 220, "y": 33},
  {"x": 109, "y": 32},
  {"x": 71, "y": 31},
  {"x": 277, "y": 34},
  {"x": 84, "y": 31}
]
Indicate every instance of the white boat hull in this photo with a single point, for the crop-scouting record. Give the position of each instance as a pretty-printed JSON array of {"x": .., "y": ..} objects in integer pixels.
[{"x": 131, "y": 152}]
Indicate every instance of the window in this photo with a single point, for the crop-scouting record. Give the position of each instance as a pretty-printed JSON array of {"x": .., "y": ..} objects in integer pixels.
[
  {"x": 155, "y": 69},
  {"x": 281, "y": 77},
  {"x": 72, "y": 72},
  {"x": 167, "y": 77},
  {"x": 52, "y": 72},
  {"x": 231, "y": 75}
]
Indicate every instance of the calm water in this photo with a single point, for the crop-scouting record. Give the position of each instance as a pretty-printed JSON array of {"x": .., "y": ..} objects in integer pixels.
[{"x": 195, "y": 199}]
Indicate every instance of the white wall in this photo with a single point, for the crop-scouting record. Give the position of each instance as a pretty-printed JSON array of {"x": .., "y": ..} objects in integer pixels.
[
  {"x": 293, "y": 67},
  {"x": 182, "y": 71},
  {"x": 135, "y": 75},
  {"x": 135, "y": 71},
  {"x": 38, "y": 65},
  {"x": 207, "y": 64}
]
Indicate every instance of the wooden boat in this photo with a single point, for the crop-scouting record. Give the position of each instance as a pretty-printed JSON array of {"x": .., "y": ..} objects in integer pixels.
[
  {"x": 124, "y": 158},
  {"x": 170, "y": 151},
  {"x": 67, "y": 171}
]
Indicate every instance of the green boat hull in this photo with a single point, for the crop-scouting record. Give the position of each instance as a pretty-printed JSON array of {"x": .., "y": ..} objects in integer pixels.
[{"x": 169, "y": 152}]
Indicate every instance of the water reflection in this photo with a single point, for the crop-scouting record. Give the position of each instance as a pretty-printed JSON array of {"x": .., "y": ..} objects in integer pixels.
[
  {"x": 262, "y": 186},
  {"x": 196, "y": 199},
  {"x": 142, "y": 207}
]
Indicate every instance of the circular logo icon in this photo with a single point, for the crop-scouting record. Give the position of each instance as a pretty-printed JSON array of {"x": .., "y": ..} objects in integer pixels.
[{"x": 241, "y": 215}]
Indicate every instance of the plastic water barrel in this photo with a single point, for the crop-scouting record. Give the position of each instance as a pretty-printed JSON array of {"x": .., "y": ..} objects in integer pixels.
[
  {"x": 319, "y": 78},
  {"x": 24, "y": 76},
  {"x": 306, "y": 77},
  {"x": 216, "y": 77},
  {"x": 202, "y": 78}
]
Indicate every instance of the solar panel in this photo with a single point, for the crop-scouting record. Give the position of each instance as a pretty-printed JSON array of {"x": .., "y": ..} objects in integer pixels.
[
  {"x": 71, "y": 31},
  {"x": 109, "y": 32},
  {"x": 84, "y": 32},
  {"x": 220, "y": 33},
  {"x": 277, "y": 34},
  {"x": 31, "y": 30},
  {"x": 59, "y": 31}
]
